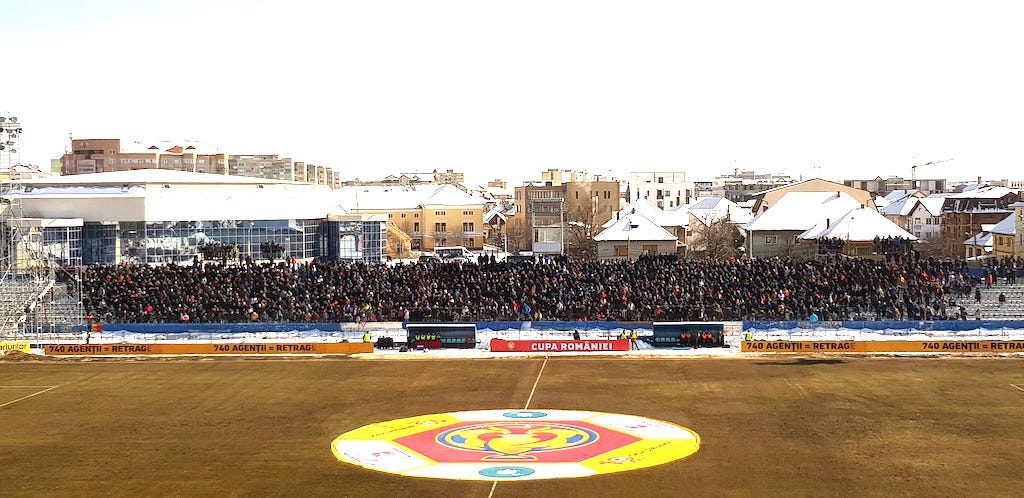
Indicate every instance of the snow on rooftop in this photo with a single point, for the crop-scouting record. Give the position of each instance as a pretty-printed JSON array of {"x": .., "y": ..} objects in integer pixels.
[
  {"x": 407, "y": 197},
  {"x": 1006, "y": 226},
  {"x": 983, "y": 192},
  {"x": 634, "y": 227},
  {"x": 711, "y": 209},
  {"x": 676, "y": 217},
  {"x": 859, "y": 225},
  {"x": 802, "y": 211},
  {"x": 983, "y": 239}
]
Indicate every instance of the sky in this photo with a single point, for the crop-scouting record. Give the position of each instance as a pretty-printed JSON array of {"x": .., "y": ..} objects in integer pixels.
[{"x": 508, "y": 89}]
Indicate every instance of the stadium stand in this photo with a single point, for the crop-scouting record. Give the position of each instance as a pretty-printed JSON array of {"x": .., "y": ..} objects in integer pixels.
[{"x": 653, "y": 288}]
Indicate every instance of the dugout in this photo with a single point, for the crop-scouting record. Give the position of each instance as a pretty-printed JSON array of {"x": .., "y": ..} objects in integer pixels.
[
  {"x": 687, "y": 334},
  {"x": 442, "y": 335}
]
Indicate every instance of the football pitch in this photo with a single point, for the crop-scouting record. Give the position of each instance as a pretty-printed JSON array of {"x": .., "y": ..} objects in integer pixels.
[{"x": 769, "y": 426}]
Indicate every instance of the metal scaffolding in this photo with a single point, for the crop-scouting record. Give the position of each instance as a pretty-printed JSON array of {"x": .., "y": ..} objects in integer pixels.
[{"x": 40, "y": 288}]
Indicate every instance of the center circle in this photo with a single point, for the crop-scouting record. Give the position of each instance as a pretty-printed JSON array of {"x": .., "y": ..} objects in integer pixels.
[{"x": 514, "y": 445}]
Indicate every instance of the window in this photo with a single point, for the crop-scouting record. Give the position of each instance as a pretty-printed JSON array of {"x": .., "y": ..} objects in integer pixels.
[
  {"x": 661, "y": 179},
  {"x": 471, "y": 243},
  {"x": 468, "y": 227},
  {"x": 439, "y": 213},
  {"x": 467, "y": 213},
  {"x": 577, "y": 194},
  {"x": 416, "y": 215},
  {"x": 771, "y": 239},
  {"x": 416, "y": 227},
  {"x": 403, "y": 215},
  {"x": 621, "y": 250},
  {"x": 440, "y": 227}
]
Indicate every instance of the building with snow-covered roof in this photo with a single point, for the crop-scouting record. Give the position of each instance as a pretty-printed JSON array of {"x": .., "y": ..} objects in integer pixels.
[
  {"x": 633, "y": 235},
  {"x": 979, "y": 245},
  {"x": 920, "y": 216},
  {"x": 165, "y": 216},
  {"x": 963, "y": 213},
  {"x": 775, "y": 231},
  {"x": 766, "y": 199},
  {"x": 432, "y": 215},
  {"x": 857, "y": 231},
  {"x": 1004, "y": 236}
]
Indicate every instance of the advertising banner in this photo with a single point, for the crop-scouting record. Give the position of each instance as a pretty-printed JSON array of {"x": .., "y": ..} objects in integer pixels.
[
  {"x": 204, "y": 349},
  {"x": 501, "y": 345},
  {"x": 22, "y": 346},
  {"x": 882, "y": 346}
]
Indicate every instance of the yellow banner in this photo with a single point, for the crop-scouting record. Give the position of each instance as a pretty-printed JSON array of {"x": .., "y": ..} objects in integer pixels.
[
  {"x": 882, "y": 346},
  {"x": 204, "y": 349},
  {"x": 22, "y": 346}
]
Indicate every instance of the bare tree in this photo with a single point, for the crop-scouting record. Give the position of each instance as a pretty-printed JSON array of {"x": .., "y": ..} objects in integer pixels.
[
  {"x": 400, "y": 247},
  {"x": 719, "y": 240},
  {"x": 581, "y": 225},
  {"x": 519, "y": 233}
]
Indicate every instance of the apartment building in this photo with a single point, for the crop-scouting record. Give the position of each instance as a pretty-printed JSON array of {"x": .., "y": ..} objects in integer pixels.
[
  {"x": 664, "y": 189},
  {"x": 546, "y": 206},
  {"x": 431, "y": 215},
  {"x": 883, "y": 186},
  {"x": 106, "y": 155}
]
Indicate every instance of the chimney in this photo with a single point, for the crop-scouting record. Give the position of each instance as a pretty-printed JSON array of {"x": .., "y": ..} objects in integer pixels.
[
  {"x": 828, "y": 222},
  {"x": 979, "y": 180}
]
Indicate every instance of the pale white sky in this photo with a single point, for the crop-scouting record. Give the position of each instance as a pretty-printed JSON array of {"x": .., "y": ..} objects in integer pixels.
[{"x": 506, "y": 89}]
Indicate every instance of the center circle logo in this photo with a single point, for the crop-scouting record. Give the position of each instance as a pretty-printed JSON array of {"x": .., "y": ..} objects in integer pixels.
[
  {"x": 516, "y": 441},
  {"x": 514, "y": 445}
]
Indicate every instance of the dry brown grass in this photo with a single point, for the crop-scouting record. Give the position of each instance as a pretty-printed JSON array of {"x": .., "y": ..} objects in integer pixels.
[{"x": 769, "y": 427}]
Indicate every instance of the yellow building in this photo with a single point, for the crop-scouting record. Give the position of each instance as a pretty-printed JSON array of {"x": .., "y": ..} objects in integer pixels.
[
  {"x": 1007, "y": 240},
  {"x": 430, "y": 215}
]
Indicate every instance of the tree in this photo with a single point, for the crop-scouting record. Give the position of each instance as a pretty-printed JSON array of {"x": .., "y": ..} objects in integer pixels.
[
  {"x": 519, "y": 233},
  {"x": 581, "y": 226},
  {"x": 399, "y": 246},
  {"x": 719, "y": 240}
]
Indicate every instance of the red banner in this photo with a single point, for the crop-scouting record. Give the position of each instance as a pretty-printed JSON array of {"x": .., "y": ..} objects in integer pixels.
[{"x": 501, "y": 345}]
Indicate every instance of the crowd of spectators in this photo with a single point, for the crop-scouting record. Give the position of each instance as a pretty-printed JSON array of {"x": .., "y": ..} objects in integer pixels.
[
  {"x": 652, "y": 288},
  {"x": 894, "y": 247},
  {"x": 1006, "y": 268}
]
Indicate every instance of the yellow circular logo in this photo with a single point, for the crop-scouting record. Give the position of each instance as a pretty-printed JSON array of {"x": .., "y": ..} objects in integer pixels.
[{"x": 515, "y": 444}]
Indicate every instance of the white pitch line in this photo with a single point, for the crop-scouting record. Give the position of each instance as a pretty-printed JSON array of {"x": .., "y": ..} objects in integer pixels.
[
  {"x": 37, "y": 393},
  {"x": 528, "y": 400},
  {"x": 25, "y": 387},
  {"x": 1015, "y": 386}
]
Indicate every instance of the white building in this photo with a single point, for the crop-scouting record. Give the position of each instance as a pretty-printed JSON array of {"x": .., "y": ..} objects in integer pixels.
[
  {"x": 634, "y": 235},
  {"x": 666, "y": 189},
  {"x": 164, "y": 216}
]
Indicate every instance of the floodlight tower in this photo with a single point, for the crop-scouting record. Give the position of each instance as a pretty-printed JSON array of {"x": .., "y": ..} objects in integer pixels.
[{"x": 10, "y": 211}]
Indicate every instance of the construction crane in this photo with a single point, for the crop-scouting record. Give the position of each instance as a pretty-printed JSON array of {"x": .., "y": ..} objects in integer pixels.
[{"x": 913, "y": 169}]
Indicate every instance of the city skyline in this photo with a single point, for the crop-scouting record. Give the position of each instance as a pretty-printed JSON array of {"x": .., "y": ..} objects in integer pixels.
[{"x": 794, "y": 87}]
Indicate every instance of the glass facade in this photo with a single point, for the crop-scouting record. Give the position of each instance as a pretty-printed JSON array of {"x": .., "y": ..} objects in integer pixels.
[
  {"x": 62, "y": 246},
  {"x": 179, "y": 242},
  {"x": 353, "y": 240}
]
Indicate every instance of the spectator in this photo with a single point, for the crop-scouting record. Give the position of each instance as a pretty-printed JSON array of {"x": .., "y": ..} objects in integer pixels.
[{"x": 653, "y": 287}]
